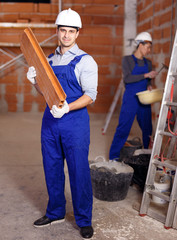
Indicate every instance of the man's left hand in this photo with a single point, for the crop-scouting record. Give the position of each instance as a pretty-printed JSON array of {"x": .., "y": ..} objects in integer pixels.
[{"x": 59, "y": 112}]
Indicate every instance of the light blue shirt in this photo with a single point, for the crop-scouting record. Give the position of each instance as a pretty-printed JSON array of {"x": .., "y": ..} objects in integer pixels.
[{"x": 86, "y": 70}]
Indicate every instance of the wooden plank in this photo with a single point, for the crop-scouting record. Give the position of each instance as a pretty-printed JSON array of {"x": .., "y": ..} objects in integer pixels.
[{"x": 45, "y": 77}]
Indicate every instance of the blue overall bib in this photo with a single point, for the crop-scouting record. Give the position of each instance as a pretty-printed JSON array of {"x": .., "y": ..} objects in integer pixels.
[
  {"x": 67, "y": 137},
  {"x": 130, "y": 108}
]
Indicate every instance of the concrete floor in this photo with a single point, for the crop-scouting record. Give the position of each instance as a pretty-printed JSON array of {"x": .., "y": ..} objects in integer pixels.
[{"x": 23, "y": 195}]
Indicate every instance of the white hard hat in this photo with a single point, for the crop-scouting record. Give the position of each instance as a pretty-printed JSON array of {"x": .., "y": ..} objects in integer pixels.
[
  {"x": 69, "y": 18},
  {"x": 143, "y": 37}
]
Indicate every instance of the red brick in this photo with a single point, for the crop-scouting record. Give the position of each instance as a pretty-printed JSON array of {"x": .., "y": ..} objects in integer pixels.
[
  {"x": 102, "y": 60},
  {"x": 36, "y": 7},
  {"x": 118, "y": 50},
  {"x": 104, "y": 70},
  {"x": 12, "y": 17},
  {"x": 119, "y": 31},
  {"x": 27, "y": 107},
  {"x": 94, "y": 30},
  {"x": 112, "y": 2},
  {"x": 27, "y": 88},
  {"x": 107, "y": 41},
  {"x": 167, "y": 60},
  {"x": 166, "y": 32},
  {"x": 8, "y": 79},
  {"x": 103, "y": 20},
  {"x": 77, "y": 8},
  {"x": 11, "y": 98},
  {"x": 156, "y": 21},
  {"x": 86, "y": 19},
  {"x": 12, "y": 108},
  {"x": 55, "y": 2},
  {"x": 165, "y": 18},
  {"x": 147, "y": 13},
  {"x": 139, "y": 6},
  {"x": 10, "y": 38},
  {"x": 120, "y": 10},
  {"x": 99, "y": 9},
  {"x": 44, "y": 8},
  {"x": 108, "y": 80},
  {"x": 41, "y": 107},
  {"x": 77, "y": 1},
  {"x": 166, "y": 47},
  {"x": 147, "y": 3},
  {"x": 54, "y": 9},
  {"x": 98, "y": 50},
  {"x": 29, "y": 98},
  {"x": 17, "y": 7},
  {"x": 166, "y": 4},
  {"x": 119, "y": 72},
  {"x": 40, "y": 99},
  {"x": 12, "y": 88},
  {"x": 145, "y": 26},
  {"x": 157, "y": 34},
  {"x": 104, "y": 90},
  {"x": 87, "y": 40}
]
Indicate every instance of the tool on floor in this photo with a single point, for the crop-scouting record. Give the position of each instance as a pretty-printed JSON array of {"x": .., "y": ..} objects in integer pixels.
[
  {"x": 112, "y": 107},
  {"x": 163, "y": 66},
  {"x": 159, "y": 155}
]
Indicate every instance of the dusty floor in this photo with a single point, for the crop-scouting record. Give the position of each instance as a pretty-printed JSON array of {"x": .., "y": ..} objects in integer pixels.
[{"x": 23, "y": 195}]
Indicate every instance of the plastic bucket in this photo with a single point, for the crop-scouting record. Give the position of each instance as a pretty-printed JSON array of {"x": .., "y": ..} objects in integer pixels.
[
  {"x": 128, "y": 151},
  {"x": 162, "y": 184},
  {"x": 110, "y": 180}
]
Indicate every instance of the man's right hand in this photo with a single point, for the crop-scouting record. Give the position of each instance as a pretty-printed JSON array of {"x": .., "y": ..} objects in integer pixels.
[
  {"x": 31, "y": 74},
  {"x": 151, "y": 74}
]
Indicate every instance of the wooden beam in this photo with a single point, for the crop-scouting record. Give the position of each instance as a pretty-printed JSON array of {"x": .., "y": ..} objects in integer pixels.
[{"x": 45, "y": 77}]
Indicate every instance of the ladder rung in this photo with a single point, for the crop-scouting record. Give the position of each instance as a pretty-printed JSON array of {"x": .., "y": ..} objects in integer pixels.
[
  {"x": 167, "y": 134},
  {"x": 173, "y": 74},
  {"x": 159, "y": 194},
  {"x": 164, "y": 164},
  {"x": 170, "y": 103}
]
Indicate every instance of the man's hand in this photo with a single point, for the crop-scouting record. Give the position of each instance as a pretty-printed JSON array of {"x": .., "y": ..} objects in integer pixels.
[
  {"x": 59, "y": 112},
  {"x": 31, "y": 74}
]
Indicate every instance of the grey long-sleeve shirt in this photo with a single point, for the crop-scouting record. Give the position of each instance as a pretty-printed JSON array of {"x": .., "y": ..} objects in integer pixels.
[{"x": 128, "y": 65}]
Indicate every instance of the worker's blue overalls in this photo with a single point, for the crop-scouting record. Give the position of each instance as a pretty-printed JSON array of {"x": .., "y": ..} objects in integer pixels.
[
  {"x": 67, "y": 137},
  {"x": 129, "y": 109}
]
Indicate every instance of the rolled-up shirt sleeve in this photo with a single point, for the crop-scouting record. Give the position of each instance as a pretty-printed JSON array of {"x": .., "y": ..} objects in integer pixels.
[{"x": 88, "y": 77}]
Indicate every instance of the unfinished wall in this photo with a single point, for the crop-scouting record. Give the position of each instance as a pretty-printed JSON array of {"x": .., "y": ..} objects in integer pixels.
[
  {"x": 101, "y": 36},
  {"x": 158, "y": 18}
]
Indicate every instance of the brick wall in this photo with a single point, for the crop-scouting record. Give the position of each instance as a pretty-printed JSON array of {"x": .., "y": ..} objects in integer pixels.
[
  {"x": 158, "y": 18},
  {"x": 101, "y": 36}
]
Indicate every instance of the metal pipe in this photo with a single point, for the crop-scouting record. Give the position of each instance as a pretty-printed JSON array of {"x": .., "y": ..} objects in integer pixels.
[
  {"x": 9, "y": 55},
  {"x": 25, "y": 25},
  {"x": 6, "y": 44},
  {"x": 21, "y": 55},
  {"x": 59, "y": 6}
]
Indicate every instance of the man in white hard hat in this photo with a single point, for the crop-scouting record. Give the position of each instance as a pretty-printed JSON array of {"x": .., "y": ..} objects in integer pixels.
[
  {"x": 65, "y": 132},
  {"x": 137, "y": 75}
]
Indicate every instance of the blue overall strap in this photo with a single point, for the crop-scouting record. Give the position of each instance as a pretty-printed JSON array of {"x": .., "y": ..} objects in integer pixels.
[
  {"x": 76, "y": 60},
  {"x": 136, "y": 62}
]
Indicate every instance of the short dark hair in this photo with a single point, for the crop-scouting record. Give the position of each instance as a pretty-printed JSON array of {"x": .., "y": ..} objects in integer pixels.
[{"x": 58, "y": 26}]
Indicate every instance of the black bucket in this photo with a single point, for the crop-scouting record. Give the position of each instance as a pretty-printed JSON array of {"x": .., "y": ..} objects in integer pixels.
[
  {"x": 108, "y": 184},
  {"x": 128, "y": 151},
  {"x": 140, "y": 164}
]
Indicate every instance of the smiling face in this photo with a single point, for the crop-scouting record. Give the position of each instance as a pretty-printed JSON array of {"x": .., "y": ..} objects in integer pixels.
[{"x": 67, "y": 37}]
